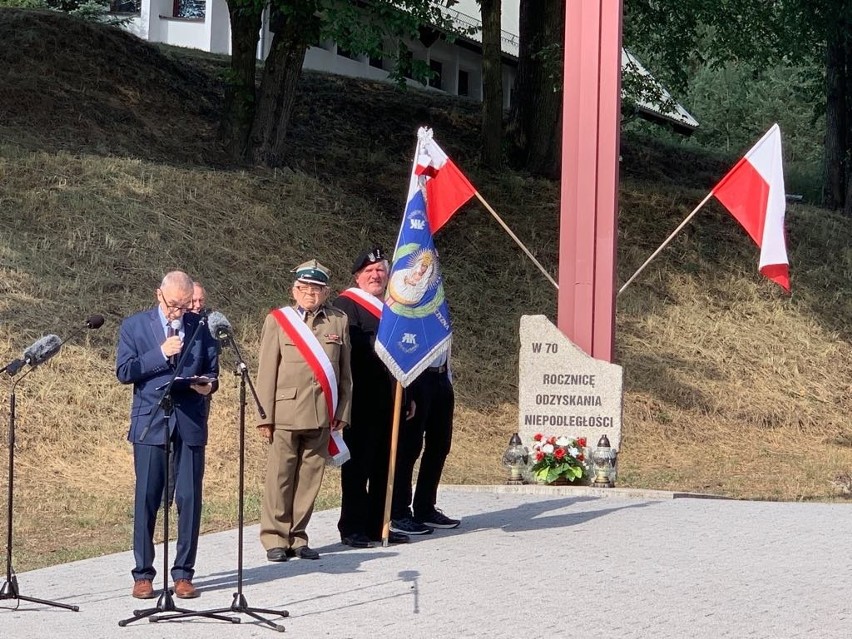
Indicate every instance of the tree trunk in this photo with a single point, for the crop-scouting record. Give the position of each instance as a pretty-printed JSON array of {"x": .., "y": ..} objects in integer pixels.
[
  {"x": 295, "y": 24},
  {"x": 847, "y": 83},
  {"x": 492, "y": 84},
  {"x": 240, "y": 92},
  {"x": 834, "y": 189},
  {"x": 535, "y": 140}
]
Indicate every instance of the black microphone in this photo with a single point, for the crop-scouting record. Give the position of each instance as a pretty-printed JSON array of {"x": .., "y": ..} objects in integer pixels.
[
  {"x": 175, "y": 324},
  {"x": 219, "y": 326},
  {"x": 38, "y": 353}
]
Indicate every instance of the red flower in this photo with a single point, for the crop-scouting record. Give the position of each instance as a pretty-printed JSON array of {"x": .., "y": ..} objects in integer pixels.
[
  {"x": 559, "y": 453},
  {"x": 581, "y": 457},
  {"x": 539, "y": 455},
  {"x": 538, "y": 437},
  {"x": 581, "y": 442},
  {"x": 552, "y": 440}
]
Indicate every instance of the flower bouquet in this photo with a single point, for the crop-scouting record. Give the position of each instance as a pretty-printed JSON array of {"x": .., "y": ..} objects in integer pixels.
[{"x": 558, "y": 458}]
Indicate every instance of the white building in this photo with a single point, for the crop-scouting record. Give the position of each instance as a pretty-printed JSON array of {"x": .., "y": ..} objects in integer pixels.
[{"x": 204, "y": 24}]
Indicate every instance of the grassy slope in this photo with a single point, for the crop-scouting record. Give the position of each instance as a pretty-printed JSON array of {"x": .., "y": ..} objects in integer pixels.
[{"x": 109, "y": 176}]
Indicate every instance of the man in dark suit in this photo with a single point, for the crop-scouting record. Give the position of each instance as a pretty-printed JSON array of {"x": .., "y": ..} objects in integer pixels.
[
  {"x": 150, "y": 346},
  {"x": 364, "y": 477}
]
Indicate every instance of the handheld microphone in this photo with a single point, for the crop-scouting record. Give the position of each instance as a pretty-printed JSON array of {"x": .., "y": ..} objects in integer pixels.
[
  {"x": 219, "y": 326},
  {"x": 39, "y": 352},
  {"x": 175, "y": 325}
]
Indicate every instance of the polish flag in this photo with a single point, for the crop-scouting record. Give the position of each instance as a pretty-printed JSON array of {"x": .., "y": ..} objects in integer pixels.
[
  {"x": 446, "y": 187},
  {"x": 753, "y": 192}
]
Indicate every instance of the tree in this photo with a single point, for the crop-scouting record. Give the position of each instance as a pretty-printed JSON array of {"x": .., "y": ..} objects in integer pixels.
[
  {"x": 534, "y": 121},
  {"x": 492, "y": 84},
  {"x": 254, "y": 124}
]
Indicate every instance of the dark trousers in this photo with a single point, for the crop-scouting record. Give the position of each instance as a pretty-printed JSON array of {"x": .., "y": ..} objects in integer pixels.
[
  {"x": 430, "y": 430},
  {"x": 149, "y": 465},
  {"x": 364, "y": 477}
]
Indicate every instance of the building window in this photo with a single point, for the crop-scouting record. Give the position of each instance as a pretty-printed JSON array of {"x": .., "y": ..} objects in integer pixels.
[
  {"x": 437, "y": 79},
  {"x": 125, "y": 6},
  {"x": 464, "y": 83},
  {"x": 376, "y": 62},
  {"x": 190, "y": 9},
  {"x": 346, "y": 53}
]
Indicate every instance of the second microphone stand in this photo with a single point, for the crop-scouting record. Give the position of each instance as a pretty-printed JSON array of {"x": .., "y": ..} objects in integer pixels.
[{"x": 239, "y": 604}]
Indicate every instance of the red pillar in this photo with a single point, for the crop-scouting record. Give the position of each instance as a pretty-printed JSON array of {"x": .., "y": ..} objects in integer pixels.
[{"x": 590, "y": 141}]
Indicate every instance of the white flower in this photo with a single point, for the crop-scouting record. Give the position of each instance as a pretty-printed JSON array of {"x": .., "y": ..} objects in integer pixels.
[
  {"x": 563, "y": 441},
  {"x": 573, "y": 452},
  {"x": 547, "y": 449}
]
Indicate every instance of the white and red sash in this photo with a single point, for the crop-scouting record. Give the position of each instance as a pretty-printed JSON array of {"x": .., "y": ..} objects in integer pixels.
[
  {"x": 366, "y": 301},
  {"x": 311, "y": 349}
]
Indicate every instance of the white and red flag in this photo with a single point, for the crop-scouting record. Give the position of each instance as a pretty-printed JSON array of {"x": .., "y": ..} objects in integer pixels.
[
  {"x": 446, "y": 186},
  {"x": 753, "y": 192}
]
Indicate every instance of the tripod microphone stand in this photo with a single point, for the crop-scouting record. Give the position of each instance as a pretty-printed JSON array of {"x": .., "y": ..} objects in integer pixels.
[
  {"x": 10, "y": 586},
  {"x": 166, "y": 603},
  {"x": 239, "y": 603}
]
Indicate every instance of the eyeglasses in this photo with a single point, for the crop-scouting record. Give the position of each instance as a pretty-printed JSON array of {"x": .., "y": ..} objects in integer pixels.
[
  {"x": 172, "y": 306},
  {"x": 310, "y": 288}
]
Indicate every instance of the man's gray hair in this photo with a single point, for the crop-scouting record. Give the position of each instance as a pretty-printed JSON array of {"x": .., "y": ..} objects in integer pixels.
[{"x": 178, "y": 280}]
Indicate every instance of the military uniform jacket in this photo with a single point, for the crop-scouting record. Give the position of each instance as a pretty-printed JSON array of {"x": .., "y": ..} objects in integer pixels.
[{"x": 286, "y": 385}]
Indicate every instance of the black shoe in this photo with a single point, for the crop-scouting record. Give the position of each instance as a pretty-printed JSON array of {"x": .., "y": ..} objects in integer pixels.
[
  {"x": 408, "y": 526},
  {"x": 277, "y": 554},
  {"x": 437, "y": 519},
  {"x": 356, "y": 540},
  {"x": 395, "y": 538},
  {"x": 304, "y": 552},
  {"x": 398, "y": 538}
]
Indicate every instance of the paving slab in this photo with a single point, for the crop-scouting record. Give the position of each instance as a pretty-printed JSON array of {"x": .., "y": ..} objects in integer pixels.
[{"x": 524, "y": 563}]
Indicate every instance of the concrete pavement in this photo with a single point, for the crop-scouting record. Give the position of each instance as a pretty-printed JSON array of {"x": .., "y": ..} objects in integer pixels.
[{"x": 526, "y": 562}]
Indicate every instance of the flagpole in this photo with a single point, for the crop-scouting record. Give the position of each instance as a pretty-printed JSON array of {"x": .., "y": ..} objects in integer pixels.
[
  {"x": 397, "y": 409},
  {"x": 515, "y": 237},
  {"x": 664, "y": 244}
]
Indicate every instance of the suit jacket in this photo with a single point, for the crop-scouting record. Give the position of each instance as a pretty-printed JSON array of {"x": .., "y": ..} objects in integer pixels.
[
  {"x": 139, "y": 361},
  {"x": 372, "y": 383},
  {"x": 286, "y": 386}
]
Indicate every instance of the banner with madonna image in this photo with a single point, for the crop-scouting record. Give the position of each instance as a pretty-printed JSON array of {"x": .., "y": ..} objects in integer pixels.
[{"x": 415, "y": 325}]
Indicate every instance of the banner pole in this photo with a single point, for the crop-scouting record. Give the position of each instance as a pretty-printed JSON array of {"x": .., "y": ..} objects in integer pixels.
[
  {"x": 664, "y": 244},
  {"x": 397, "y": 409},
  {"x": 517, "y": 240}
]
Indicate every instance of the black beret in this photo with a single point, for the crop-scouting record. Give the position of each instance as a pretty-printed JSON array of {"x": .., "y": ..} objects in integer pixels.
[{"x": 365, "y": 258}]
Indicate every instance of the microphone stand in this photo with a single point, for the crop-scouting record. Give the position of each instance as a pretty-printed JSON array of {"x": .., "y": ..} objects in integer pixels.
[
  {"x": 239, "y": 603},
  {"x": 10, "y": 586},
  {"x": 166, "y": 603}
]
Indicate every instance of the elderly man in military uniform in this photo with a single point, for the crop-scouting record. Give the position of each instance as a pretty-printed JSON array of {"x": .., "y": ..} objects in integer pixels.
[
  {"x": 364, "y": 477},
  {"x": 305, "y": 387}
]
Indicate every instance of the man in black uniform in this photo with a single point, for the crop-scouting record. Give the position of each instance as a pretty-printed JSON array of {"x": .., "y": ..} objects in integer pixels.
[{"x": 364, "y": 477}]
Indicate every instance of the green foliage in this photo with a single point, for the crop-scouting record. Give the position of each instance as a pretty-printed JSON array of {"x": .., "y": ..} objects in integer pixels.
[{"x": 24, "y": 4}]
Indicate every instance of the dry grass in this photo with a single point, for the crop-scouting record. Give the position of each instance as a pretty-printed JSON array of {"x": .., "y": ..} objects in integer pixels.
[{"x": 731, "y": 387}]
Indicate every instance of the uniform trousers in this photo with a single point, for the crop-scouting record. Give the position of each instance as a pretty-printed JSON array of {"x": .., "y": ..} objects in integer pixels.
[
  {"x": 364, "y": 478},
  {"x": 294, "y": 468},
  {"x": 430, "y": 430}
]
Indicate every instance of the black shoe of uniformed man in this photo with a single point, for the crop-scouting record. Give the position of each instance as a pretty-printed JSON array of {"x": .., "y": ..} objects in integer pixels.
[
  {"x": 277, "y": 554},
  {"x": 303, "y": 552},
  {"x": 407, "y": 526},
  {"x": 356, "y": 540}
]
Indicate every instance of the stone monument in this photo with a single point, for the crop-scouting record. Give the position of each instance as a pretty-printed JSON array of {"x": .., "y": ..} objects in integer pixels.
[{"x": 562, "y": 390}]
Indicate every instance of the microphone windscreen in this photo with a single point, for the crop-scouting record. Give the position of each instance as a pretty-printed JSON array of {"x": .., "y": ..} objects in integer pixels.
[
  {"x": 176, "y": 324},
  {"x": 219, "y": 325},
  {"x": 94, "y": 321},
  {"x": 42, "y": 349}
]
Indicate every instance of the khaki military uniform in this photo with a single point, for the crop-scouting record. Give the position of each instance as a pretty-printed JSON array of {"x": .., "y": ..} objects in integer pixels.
[{"x": 294, "y": 403}]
